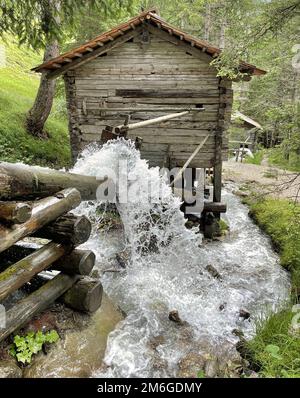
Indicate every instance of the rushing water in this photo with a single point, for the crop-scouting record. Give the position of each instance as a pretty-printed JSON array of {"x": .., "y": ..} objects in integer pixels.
[{"x": 166, "y": 271}]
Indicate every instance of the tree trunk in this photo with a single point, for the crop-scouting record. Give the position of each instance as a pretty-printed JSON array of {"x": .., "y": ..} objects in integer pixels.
[
  {"x": 222, "y": 34},
  {"x": 38, "y": 114},
  {"x": 207, "y": 22},
  {"x": 23, "y": 182}
]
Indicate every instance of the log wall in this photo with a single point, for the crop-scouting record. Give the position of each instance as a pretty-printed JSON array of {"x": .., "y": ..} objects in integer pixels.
[{"x": 157, "y": 74}]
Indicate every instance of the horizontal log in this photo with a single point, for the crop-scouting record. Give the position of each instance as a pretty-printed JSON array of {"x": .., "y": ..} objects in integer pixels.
[
  {"x": 20, "y": 273},
  {"x": 85, "y": 295},
  {"x": 16, "y": 213},
  {"x": 68, "y": 228},
  {"x": 150, "y": 93},
  {"x": 43, "y": 212},
  {"x": 144, "y": 123},
  {"x": 26, "y": 309},
  {"x": 79, "y": 261},
  {"x": 25, "y": 182},
  {"x": 215, "y": 207}
]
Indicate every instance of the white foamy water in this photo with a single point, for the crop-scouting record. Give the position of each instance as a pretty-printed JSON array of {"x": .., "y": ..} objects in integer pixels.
[{"x": 169, "y": 274}]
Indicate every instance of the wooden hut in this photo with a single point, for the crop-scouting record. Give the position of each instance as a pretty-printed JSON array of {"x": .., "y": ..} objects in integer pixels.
[
  {"x": 249, "y": 131},
  {"x": 150, "y": 68}
]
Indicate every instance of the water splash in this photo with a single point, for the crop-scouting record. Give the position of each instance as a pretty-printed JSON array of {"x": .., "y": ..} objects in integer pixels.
[{"x": 166, "y": 271}]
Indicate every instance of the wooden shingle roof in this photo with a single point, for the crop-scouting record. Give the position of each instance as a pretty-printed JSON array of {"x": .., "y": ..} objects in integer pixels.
[{"x": 91, "y": 49}]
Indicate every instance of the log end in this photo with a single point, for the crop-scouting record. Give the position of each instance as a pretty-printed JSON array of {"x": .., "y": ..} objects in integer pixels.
[
  {"x": 82, "y": 230},
  {"x": 87, "y": 262},
  {"x": 85, "y": 295},
  {"x": 22, "y": 213}
]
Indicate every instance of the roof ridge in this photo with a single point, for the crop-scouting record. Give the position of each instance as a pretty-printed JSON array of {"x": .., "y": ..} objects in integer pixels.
[{"x": 64, "y": 61}]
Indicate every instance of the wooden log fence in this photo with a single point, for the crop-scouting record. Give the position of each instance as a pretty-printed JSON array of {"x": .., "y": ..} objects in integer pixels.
[{"x": 55, "y": 194}]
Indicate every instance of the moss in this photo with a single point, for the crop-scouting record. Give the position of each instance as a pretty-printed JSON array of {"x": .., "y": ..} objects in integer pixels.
[
  {"x": 224, "y": 227},
  {"x": 18, "y": 89}
]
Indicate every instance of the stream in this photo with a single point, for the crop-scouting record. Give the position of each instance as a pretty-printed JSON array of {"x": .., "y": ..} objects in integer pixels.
[{"x": 166, "y": 271}]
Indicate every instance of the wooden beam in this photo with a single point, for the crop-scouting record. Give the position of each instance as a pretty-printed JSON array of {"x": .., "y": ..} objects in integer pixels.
[
  {"x": 44, "y": 211},
  {"x": 23, "y": 182},
  {"x": 144, "y": 123},
  {"x": 181, "y": 171},
  {"x": 24, "y": 270},
  {"x": 92, "y": 55},
  {"x": 79, "y": 261},
  {"x": 24, "y": 310}
]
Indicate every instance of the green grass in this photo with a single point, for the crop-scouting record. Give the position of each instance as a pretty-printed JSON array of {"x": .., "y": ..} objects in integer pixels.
[
  {"x": 281, "y": 221},
  {"x": 257, "y": 157},
  {"x": 18, "y": 87},
  {"x": 276, "y": 158},
  {"x": 275, "y": 348}
]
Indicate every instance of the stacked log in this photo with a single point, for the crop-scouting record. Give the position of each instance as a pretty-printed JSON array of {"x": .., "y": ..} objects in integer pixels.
[{"x": 47, "y": 217}]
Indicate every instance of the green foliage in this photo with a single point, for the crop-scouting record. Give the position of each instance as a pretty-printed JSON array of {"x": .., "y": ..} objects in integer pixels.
[
  {"x": 25, "y": 347},
  {"x": 17, "y": 92},
  {"x": 224, "y": 227},
  {"x": 276, "y": 349},
  {"x": 201, "y": 374},
  {"x": 257, "y": 157},
  {"x": 281, "y": 220},
  {"x": 276, "y": 157},
  {"x": 37, "y": 22}
]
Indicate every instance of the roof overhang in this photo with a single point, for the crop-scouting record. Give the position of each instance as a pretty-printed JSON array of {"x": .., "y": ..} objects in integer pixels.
[{"x": 124, "y": 32}]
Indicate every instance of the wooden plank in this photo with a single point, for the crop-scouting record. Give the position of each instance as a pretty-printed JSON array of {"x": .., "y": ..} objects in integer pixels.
[
  {"x": 96, "y": 53},
  {"x": 180, "y": 44},
  {"x": 119, "y": 73},
  {"x": 172, "y": 93}
]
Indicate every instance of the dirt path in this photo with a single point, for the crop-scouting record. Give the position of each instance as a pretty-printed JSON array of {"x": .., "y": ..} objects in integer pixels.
[{"x": 273, "y": 181}]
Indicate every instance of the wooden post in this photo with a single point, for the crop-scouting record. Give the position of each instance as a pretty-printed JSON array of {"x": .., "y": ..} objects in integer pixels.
[
  {"x": 23, "y": 182},
  {"x": 15, "y": 213},
  {"x": 24, "y": 310},
  {"x": 44, "y": 211},
  {"x": 20, "y": 273},
  {"x": 67, "y": 229},
  {"x": 217, "y": 182},
  {"x": 85, "y": 295}
]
